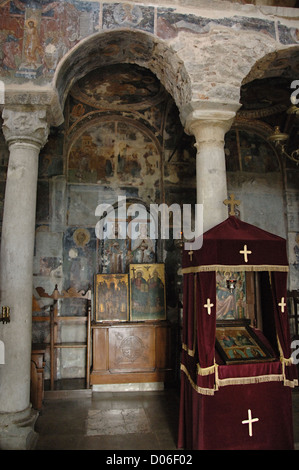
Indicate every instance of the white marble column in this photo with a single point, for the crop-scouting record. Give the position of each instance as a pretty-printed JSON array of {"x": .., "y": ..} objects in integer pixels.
[
  {"x": 25, "y": 132},
  {"x": 209, "y": 128}
]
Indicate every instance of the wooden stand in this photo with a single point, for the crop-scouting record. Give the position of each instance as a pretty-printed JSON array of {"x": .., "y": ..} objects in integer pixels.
[
  {"x": 122, "y": 352},
  {"x": 131, "y": 352},
  {"x": 55, "y": 319}
]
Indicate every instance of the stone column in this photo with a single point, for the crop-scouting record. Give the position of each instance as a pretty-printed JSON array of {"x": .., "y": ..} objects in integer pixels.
[
  {"x": 209, "y": 128},
  {"x": 25, "y": 132}
]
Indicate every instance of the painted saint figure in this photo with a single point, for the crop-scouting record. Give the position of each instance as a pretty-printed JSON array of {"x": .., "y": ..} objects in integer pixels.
[{"x": 32, "y": 46}]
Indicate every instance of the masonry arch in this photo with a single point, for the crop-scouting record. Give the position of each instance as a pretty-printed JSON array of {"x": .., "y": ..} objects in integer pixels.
[
  {"x": 268, "y": 88},
  {"x": 259, "y": 170},
  {"x": 124, "y": 46}
]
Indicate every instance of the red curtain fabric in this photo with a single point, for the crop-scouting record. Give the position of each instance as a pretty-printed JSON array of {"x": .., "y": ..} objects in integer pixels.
[
  {"x": 189, "y": 331},
  {"x": 215, "y": 397},
  {"x": 206, "y": 317},
  {"x": 279, "y": 294},
  {"x": 215, "y": 422},
  {"x": 199, "y": 328}
]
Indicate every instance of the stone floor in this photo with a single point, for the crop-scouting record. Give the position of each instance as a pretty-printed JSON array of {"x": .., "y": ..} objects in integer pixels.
[
  {"x": 109, "y": 421},
  {"x": 80, "y": 420}
]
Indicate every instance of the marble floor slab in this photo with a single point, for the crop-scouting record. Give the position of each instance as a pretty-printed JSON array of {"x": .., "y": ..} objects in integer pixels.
[{"x": 114, "y": 422}]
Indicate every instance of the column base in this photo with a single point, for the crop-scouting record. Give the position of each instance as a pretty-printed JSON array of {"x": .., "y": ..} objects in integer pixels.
[{"x": 17, "y": 430}]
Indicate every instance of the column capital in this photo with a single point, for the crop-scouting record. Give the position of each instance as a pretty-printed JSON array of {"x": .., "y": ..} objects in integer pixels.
[
  {"x": 197, "y": 118},
  {"x": 25, "y": 126}
]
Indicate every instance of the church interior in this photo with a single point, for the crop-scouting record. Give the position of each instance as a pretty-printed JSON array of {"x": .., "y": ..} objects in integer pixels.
[{"x": 110, "y": 110}]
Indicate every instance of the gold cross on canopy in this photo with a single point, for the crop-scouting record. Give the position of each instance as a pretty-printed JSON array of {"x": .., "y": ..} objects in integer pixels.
[
  {"x": 282, "y": 304},
  {"x": 190, "y": 253},
  {"x": 208, "y": 306},
  {"x": 232, "y": 202},
  {"x": 245, "y": 252}
]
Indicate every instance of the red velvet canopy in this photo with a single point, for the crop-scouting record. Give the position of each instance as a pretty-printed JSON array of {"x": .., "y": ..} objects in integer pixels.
[
  {"x": 232, "y": 245},
  {"x": 223, "y": 246}
]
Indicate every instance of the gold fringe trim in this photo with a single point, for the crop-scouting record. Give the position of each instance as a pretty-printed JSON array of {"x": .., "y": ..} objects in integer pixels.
[
  {"x": 291, "y": 383},
  {"x": 250, "y": 380},
  {"x": 191, "y": 352},
  {"x": 234, "y": 268},
  {"x": 201, "y": 390},
  {"x": 206, "y": 370},
  {"x": 235, "y": 380}
]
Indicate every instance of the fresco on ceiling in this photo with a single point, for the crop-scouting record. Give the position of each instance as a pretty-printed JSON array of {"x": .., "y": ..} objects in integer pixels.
[
  {"x": 114, "y": 153},
  {"x": 268, "y": 96},
  {"x": 127, "y": 154},
  {"x": 247, "y": 151},
  {"x": 117, "y": 86}
]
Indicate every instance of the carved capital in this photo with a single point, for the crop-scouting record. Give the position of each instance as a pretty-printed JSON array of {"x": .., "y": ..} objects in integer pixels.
[
  {"x": 29, "y": 126},
  {"x": 206, "y": 125},
  {"x": 205, "y": 119}
]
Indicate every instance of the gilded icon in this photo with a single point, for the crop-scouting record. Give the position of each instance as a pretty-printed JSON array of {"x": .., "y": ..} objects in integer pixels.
[
  {"x": 147, "y": 292},
  {"x": 111, "y": 297}
]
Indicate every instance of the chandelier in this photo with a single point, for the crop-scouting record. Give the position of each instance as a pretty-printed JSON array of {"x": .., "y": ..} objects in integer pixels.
[{"x": 279, "y": 139}]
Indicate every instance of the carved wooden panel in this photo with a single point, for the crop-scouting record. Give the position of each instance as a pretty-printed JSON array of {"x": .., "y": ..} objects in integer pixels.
[
  {"x": 131, "y": 349},
  {"x": 131, "y": 352}
]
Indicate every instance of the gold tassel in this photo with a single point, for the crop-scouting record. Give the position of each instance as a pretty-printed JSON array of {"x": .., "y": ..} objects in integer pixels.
[{"x": 234, "y": 268}]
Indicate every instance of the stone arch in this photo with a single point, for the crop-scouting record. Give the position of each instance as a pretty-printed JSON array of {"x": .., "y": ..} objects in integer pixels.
[
  {"x": 265, "y": 100},
  {"x": 124, "y": 46},
  {"x": 280, "y": 62},
  {"x": 270, "y": 80}
]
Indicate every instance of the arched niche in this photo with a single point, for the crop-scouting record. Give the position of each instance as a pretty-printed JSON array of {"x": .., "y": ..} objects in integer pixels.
[
  {"x": 123, "y": 46},
  {"x": 114, "y": 150}
]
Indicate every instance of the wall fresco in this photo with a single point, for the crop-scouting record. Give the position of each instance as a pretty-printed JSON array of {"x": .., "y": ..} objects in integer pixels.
[
  {"x": 35, "y": 35},
  {"x": 116, "y": 15},
  {"x": 78, "y": 257},
  {"x": 31, "y": 39},
  {"x": 170, "y": 24},
  {"x": 288, "y": 35},
  {"x": 247, "y": 151},
  {"x": 114, "y": 153}
]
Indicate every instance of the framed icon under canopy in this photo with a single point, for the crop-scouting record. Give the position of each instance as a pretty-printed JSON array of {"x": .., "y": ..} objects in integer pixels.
[{"x": 238, "y": 343}]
